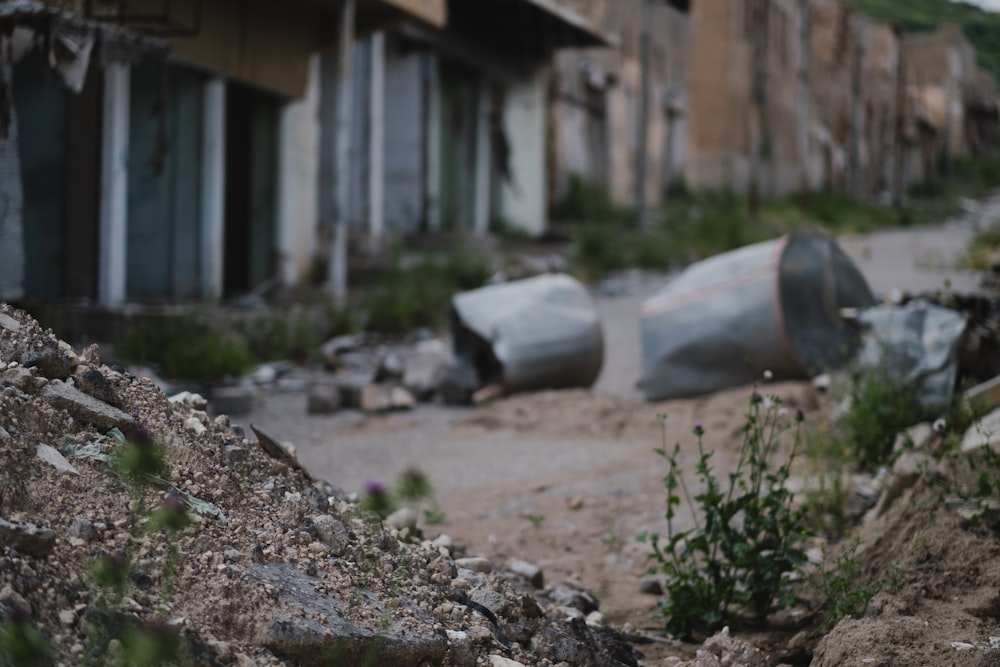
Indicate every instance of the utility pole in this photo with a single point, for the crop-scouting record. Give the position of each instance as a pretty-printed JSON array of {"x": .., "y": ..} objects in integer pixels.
[{"x": 642, "y": 140}]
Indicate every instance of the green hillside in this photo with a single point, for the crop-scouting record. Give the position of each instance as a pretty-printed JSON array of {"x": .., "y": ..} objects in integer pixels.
[{"x": 982, "y": 27}]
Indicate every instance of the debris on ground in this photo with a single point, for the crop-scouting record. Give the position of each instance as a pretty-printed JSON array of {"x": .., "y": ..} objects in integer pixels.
[
  {"x": 771, "y": 306},
  {"x": 287, "y": 571}
]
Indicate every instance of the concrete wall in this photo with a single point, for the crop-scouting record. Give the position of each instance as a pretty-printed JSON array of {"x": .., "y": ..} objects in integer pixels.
[
  {"x": 596, "y": 97},
  {"x": 523, "y": 200}
]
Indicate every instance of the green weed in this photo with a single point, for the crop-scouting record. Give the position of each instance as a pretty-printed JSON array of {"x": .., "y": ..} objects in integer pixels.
[
  {"x": 734, "y": 564},
  {"x": 21, "y": 644}
]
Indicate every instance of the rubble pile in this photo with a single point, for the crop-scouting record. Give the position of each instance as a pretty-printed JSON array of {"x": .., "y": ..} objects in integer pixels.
[{"x": 268, "y": 566}]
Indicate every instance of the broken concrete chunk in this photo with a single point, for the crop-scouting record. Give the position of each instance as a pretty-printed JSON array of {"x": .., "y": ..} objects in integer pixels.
[
  {"x": 236, "y": 400},
  {"x": 92, "y": 382},
  {"x": 382, "y": 398},
  {"x": 9, "y": 323},
  {"x": 83, "y": 407},
  {"x": 278, "y": 452},
  {"x": 22, "y": 378},
  {"x": 51, "y": 362},
  {"x": 529, "y": 571},
  {"x": 422, "y": 369},
  {"x": 390, "y": 367},
  {"x": 27, "y": 538},
  {"x": 190, "y": 400},
  {"x": 194, "y": 425},
  {"x": 984, "y": 433},
  {"x": 323, "y": 399},
  {"x": 320, "y": 626},
  {"x": 52, "y": 456},
  {"x": 332, "y": 532},
  {"x": 476, "y": 564}
]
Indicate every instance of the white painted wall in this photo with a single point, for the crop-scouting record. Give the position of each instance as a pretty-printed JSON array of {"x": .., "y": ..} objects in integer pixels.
[
  {"x": 523, "y": 201},
  {"x": 298, "y": 181},
  {"x": 403, "y": 151}
]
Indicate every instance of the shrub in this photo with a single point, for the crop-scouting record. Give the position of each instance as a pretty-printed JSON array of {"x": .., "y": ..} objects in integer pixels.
[
  {"x": 734, "y": 565},
  {"x": 186, "y": 347}
]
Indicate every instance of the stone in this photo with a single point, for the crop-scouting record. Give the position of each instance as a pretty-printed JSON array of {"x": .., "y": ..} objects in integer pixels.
[
  {"x": 915, "y": 437},
  {"x": 93, "y": 383},
  {"x": 82, "y": 528},
  {"x": 322, "y": 399},
  {"x": 9, "y": 323},
  {"x": 52, "y": 456},
  {"x": 487, "y": 394},
  {"x": 332, "y": 532},
  {"x": 84, "y": 407},
  {"x": 457, "y": 382},
  {"x": 91, "y": 355},
  {"x": 189, "y": 399},
  {"x": 319, "y": 625},
  {"x": 383, "y": 398},
  {"x": 529, "y": 571},
  {"x": 351, "y": 386},
  {"x": 67, "y": 617},
  {"x": 422, "y": 369},
  {"x": 194, "y": 425},
  {"x": 12, "y": 598},
  {"x": 985, "y": 432},
  {"x": 27, "y": 538},
  {"x": 23, "y": 379},
  {"x": 476, "y": 564},
  {"x": 651, "y": 586},
  {"x": 390, "y": 368},
  {"x": 500, "y": 661},
  {"x": 460, "y": 647},
  {"x": 404, "y": 517},
  {"x": 401, "y": 399},
  {"x": 570, "y": 596},
  {"x": 234, "y": 400},
  {"x": 492, "y": 600},
  {"x": 595, "y": 619},
  {"x": 51, "y": 362}
]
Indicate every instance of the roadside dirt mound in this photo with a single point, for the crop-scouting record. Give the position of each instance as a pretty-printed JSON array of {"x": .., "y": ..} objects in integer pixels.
[{"x": 267, "y": 566}]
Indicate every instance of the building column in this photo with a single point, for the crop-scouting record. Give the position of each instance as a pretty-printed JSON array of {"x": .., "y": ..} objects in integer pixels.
[
  {"x": 114, "y": 187},
  {"x": 376, "y": 143},
  {"x": 524, "y": 193},
  {"x": 213, "y": 188},
  {"x": 432, "y": 143},
  {"x": 297, "y": 196},
  {"x": 341, "y": 119},
  {"x": 481, "y": 211}
]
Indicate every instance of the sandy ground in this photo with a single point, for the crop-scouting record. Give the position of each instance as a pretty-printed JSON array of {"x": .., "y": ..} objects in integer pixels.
[{"x": 568, "y": 479}]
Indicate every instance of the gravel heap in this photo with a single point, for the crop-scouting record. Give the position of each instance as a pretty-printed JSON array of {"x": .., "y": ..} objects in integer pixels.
[{"x": 272, "y": 566}]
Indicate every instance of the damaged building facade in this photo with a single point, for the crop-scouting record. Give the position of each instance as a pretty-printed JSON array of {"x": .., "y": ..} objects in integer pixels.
[
  {"x": 183, "y": 167},
  {"x": 240, "y": 145}
]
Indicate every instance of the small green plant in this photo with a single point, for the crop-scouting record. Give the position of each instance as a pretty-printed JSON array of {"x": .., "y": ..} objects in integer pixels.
[
  {"x": 409, "y": 295},
  {"x": 411, "y": 489},
  {"x": 535, "y": 519},
  {"x": 186, "y": 347},
  {"x": 880, "y": 407},
  {"x": 734, "y": 564},
  {"x": 21, "y": 644},
  {"x": 841, "y": 591}
]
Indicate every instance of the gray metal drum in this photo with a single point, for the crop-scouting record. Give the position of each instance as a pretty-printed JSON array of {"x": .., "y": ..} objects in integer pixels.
[
  {"x": 541, "y": 332},
  {"x": 769, "y": 306}
]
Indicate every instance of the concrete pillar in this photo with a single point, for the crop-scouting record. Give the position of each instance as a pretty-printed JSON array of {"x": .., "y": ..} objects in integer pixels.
[
  {"x": 337, "y": 273},
  {"x": 376, "y": 143},
  {"x": 114, "y": 186},
  {"x": 481, "y": 212},
  {"x": 298, "y": 191},
  {"x": 213, "y": 188},
  {"x": 432, "y": 145},
  {"x": 523, "y": 196}
]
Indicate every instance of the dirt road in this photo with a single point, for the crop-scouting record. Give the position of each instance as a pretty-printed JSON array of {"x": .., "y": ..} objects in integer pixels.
[{"x": 568, "y": 479}]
